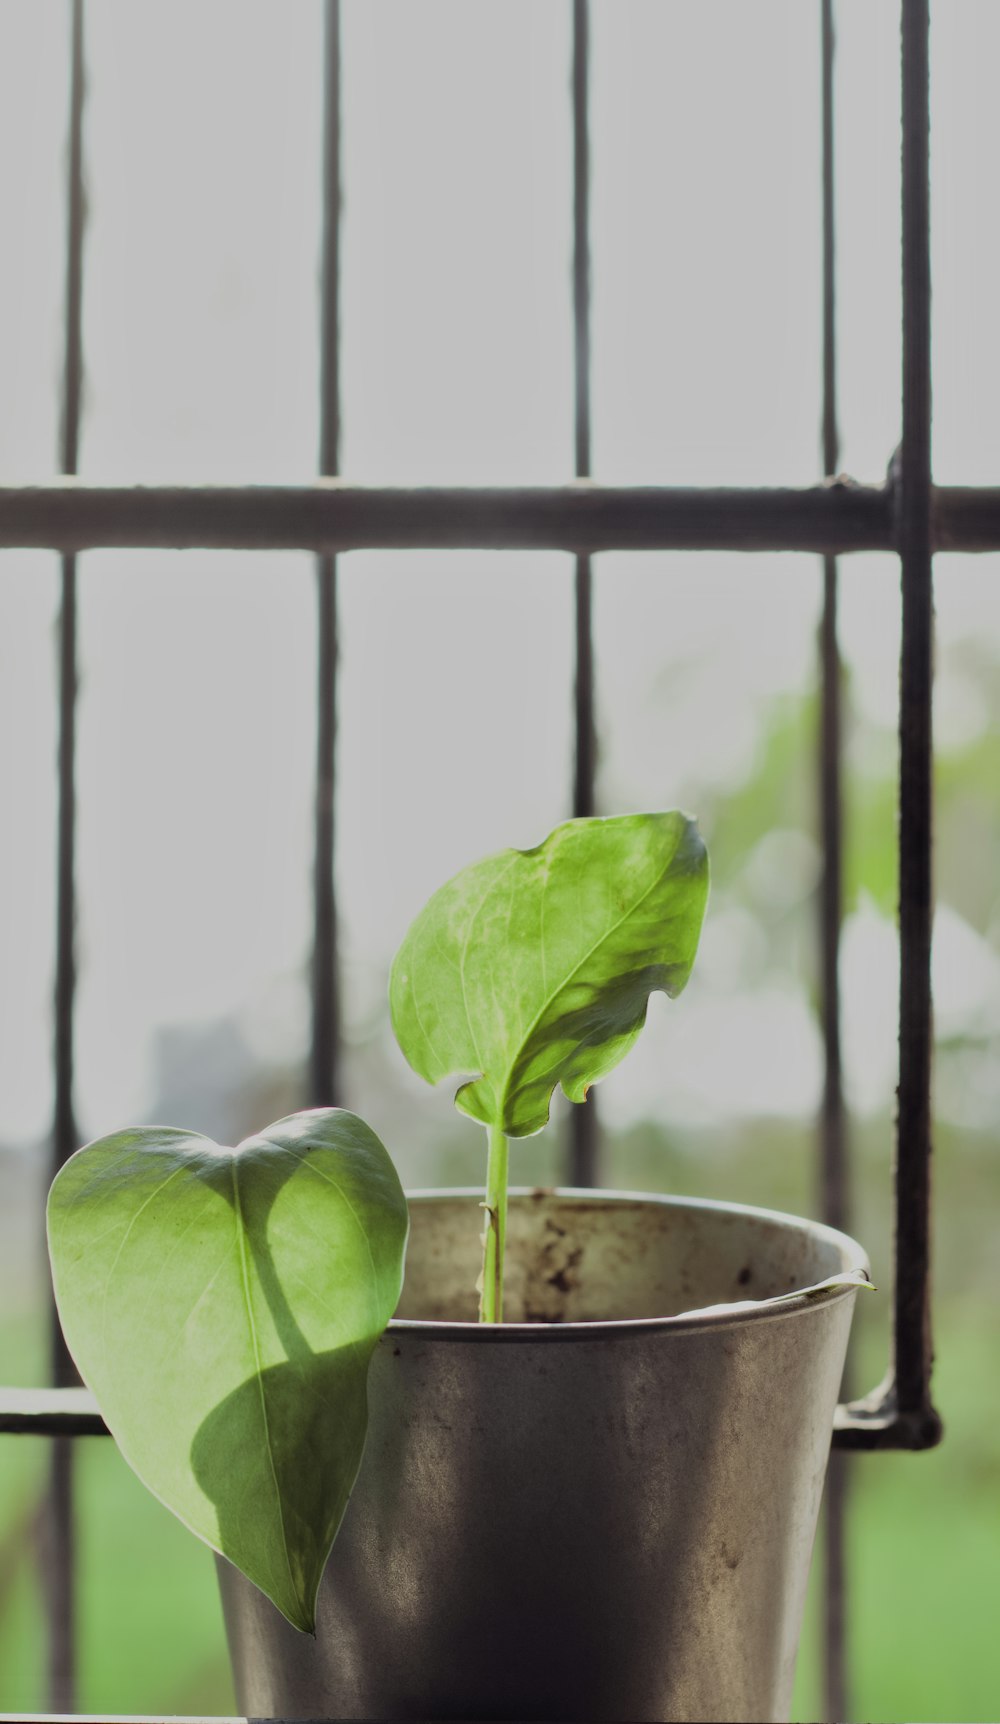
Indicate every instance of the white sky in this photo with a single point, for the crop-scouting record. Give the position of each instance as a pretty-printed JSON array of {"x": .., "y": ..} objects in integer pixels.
[{"x": 196, "y": 713}]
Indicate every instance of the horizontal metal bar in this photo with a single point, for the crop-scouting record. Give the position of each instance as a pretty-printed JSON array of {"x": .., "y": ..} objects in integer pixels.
[
  {"x": 50, "y": 1413},
  {"x": 877, "y": 1422},
  {"x": 334, "y": 515},
  {"x": 965, "y": 517},
  {"x": 873, "y": 1423}
]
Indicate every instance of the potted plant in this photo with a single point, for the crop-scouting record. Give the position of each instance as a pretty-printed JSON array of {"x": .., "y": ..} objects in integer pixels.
[{"x": 592, "y": 1473}]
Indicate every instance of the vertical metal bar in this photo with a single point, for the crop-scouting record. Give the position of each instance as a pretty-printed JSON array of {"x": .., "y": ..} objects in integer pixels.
[
  {"x": 912, "y": 1334},
  {"x": 581, "y": 232},
  {"x": 325, "y": 1061},
  {"x": 584, "y": 1142},
  {"x": 65, "y": 1138},
  {"x": 833, "y": 1132},
  {"x": 59, "y": 1562}
]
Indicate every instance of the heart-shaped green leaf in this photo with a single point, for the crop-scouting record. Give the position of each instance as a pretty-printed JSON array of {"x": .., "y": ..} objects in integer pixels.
[
  {"x": 535, "y": 967},
  {"x": 223, "y": 1305}
]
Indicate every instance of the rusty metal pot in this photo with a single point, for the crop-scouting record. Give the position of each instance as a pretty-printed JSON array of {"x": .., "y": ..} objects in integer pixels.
[{"x": 603, "y": 1508}]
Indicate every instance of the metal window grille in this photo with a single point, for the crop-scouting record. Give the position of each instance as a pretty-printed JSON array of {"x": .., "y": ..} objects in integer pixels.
[{"x": 905, "y": 514}]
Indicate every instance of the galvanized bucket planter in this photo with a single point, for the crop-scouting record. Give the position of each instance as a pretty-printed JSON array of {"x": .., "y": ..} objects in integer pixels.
[{"x": 603, "y": 1509}]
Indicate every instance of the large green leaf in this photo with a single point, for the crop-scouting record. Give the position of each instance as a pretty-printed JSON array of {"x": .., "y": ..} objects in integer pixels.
[
  {"x": 223, "y": 1305},
  {"x": 535, "y": 967}
]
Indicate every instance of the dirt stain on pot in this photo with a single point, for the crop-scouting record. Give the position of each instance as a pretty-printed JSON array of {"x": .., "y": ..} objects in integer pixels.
[{"x": 552, "y": 1274}]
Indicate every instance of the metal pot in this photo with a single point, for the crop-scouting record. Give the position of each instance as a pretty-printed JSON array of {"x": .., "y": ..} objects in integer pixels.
[{"x": 603, "y": 1508}]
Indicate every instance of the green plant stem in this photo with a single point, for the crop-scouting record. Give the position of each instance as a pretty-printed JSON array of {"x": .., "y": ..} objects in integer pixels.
[{"x": 495, "y": 1231}]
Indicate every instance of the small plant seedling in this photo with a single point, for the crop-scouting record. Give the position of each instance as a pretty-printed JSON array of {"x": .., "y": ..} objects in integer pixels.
[
  {"x": 534, "y": 968},
  {"x": 223, "y": 1304}
]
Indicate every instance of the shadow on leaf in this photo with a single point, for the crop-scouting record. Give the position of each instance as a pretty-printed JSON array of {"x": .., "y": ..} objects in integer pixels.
[
  {"x": 588, "y": 1039},
  {"x": 278, "y": 1459}
]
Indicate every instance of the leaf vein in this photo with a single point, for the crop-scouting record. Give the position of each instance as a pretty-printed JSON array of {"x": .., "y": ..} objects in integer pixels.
[
  {"x": 255, "y": 1343},
  {"x": 464, "y": 952},
  {"x": 124, "y": 1241},
  {"x": 571, "y": 975},
  {"x": 311, "y": 1167}
]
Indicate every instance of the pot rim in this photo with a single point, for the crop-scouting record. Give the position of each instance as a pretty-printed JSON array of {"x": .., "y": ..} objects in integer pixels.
[{"x": 856, "y": 1273}]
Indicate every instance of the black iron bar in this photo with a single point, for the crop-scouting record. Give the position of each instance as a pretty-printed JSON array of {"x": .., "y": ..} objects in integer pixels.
[
  {"x": 965, "y": 518},
  {"x": 70, "y": 1412},
  {"x": 833, "y": 1130},
  {"x": 325, "y": 1053},
  {"x": 912, "y": 1336},
  {"x": 900, "y": 1413},
  {"x": 834, "y": 1165},
  {"x": 829, "y": 520},
  {"x": 873, "y": 1423},
  {"x": 334, "y": 515},
  {"x": 59, "y": 1566},
  {"x": 65, "y": 1137},
  {"x": 876, "y": 1422},
  {"x": 583, "y": 1120},
  {"x": 581, "y": 234},
  {"x": 585, "y": 749}
]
